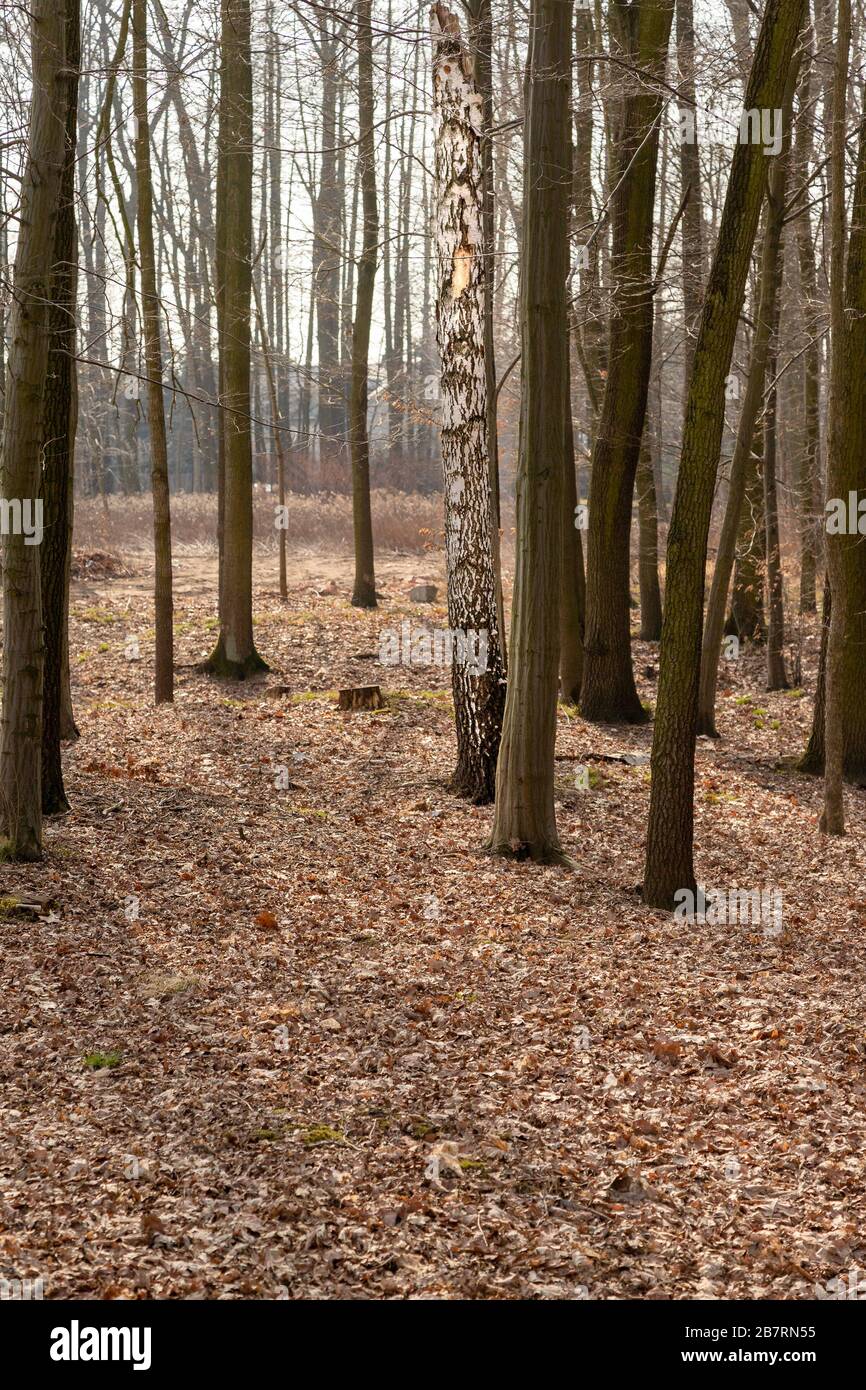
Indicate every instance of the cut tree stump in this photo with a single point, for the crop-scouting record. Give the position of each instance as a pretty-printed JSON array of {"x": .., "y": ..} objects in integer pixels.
[
  {"x": 361, "y": 697},
  {"x": 423, "y": 593}
]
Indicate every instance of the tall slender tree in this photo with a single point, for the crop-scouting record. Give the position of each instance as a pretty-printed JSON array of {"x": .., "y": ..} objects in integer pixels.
[
  {"x": 690, "y": 174},
  {"x": 669, "y": 862},
  {"x": 150, "y": 315},
  {"x": 59, "y": 421},
  {"x": 364, "y": 592},
  {"x": 525, "y": 820},
  {"x": 743, "y": 464},
  {"x": 473, "y": 615},
  {"x": 640, "y": 36},
  {"x": 23, "y": 642},
  {"x": 235, "y": 653},
  {"x": 839, "y": 471},
  {"x": 481, "y": 43}
]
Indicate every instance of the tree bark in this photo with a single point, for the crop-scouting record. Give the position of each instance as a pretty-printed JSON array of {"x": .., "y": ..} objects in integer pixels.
[
  {"x": 843, "y": 463},
  {"x": 690, "y": 174},
  {"x": 648, "y": 549},
  {"x": 747, "y": 619},
  {"x": 809, "y": 504},
  {"x": 525, "y": 820},
  {"x": 776, "y": 676},
  {"x": 743, "y": 464},
  {"x": 59, "y": 419},
  {"x": 572, "y": 598},
  {"x": 21, "y": 717},
  {"x": 235, "y": 654},
  {"x": 278, "y": 437},
  {"x": 641, "y": 35},
  {"x": 327, "y": 249},
  {"x": 669, "y": 862},
  {"x": 479, "y": 695},
  {"x": 364, "y": 592},
  {"x": 163, "y": 603},
  {"x": 481, "y": 43}
]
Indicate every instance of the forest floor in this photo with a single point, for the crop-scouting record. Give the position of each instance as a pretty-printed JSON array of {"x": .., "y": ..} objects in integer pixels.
[{"x": 263, "y": 1041}]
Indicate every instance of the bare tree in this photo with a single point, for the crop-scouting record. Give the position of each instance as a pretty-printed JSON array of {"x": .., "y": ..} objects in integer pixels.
[
  {"x": 525, "y": 819},
  {"x": 669, "y": 862},
  {"x": 235, "y": 654},
  {"x": 364, "y": 592},
  {"x": 150, "y": 314},
  {"x": 21, "y": 718},
  {"x": 477, "y": 667}
]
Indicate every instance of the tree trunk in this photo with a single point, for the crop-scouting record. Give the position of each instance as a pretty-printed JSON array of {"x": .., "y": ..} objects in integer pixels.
[
  {"x": 479, "y": 694},
  {"x": 586, "y": 333},
  {"x": 525, "y": 820},
  {"x": 669, "y": 862},
  {"x": 854, "y": 551},
  {"x": 59, "y": 418},
  {"x": 743, "y": 464},
  {"x": 481, "y": 44},
  {"x": 21, "y": 717},
  {"x": 776, "y": 676},
  {"x": 588, "y": 325},
  {"x": 327, "y": 220},
  {"x": 235, "y": 654},
  {"x": 813, "y": 758},
  {"x": 747, "y": 619},
  {"x": 641, "y": 34},
  {"x": 364, "y": 592},
  {"x": 163, "y": 605},
  {"x": 809, "y": 505},
  {"x": 278, "y": 436},
  {"x": 845, "y": 440},
  {"x": 648, "y": 549},
  {"x": 690, "y": 174},
  {"x": 572, "y": 597}
]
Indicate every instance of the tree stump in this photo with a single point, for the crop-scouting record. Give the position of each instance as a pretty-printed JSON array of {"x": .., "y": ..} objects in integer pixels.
[
  {"x": 423, "y": 593},
  {"x": 361, "y": 697}
]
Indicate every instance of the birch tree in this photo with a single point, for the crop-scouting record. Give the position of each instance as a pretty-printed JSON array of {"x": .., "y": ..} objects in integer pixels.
[{"x": 477, "y": 667}]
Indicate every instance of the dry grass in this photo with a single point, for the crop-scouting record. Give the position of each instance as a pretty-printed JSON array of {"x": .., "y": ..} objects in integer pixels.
[{"x": 407, "y": 522}]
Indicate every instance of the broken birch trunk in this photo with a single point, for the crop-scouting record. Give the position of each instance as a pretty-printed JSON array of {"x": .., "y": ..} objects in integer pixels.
[{"x": 478, "y": 678}]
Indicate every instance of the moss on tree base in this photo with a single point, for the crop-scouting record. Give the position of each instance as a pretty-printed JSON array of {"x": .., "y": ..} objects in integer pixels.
[{"x": 220, "y": 665}]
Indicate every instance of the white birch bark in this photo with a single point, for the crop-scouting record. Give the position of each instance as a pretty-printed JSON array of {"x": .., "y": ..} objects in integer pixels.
[{"x": 479, "y": 695}]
